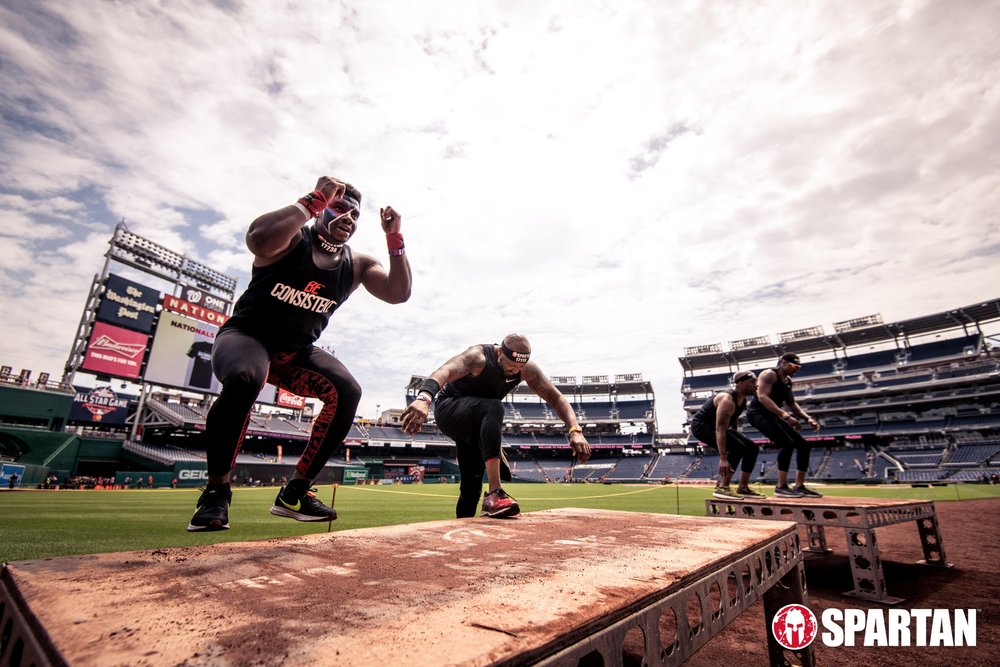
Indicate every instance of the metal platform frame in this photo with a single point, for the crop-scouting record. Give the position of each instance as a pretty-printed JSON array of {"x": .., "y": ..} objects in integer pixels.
[
  {"x": 774, "y": 571},
  {"x": 859, "y": 517}
]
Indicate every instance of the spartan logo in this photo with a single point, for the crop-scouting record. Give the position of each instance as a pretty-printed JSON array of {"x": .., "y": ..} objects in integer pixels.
[{"x": 794, "y": 626}]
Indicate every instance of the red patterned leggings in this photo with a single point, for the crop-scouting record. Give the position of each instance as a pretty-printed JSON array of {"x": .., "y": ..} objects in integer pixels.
[{"x": 243, "y": 364}]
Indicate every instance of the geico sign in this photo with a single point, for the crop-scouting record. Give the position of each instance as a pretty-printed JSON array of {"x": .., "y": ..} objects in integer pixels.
[{"x": 193, "y": 474}]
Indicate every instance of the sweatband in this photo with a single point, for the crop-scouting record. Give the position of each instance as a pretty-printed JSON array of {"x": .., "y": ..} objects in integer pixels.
[
  {"x": 315, "y": 202},
  {"x": 431, "y": 386},
  {"x": 395, "y": 243},
  {"x": 518, "y": 357}
]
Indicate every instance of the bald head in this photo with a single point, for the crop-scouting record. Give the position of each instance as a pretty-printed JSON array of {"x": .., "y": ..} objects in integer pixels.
[
  {"x": 517, "y": 342},
  {"x": 516, "y": 348}
]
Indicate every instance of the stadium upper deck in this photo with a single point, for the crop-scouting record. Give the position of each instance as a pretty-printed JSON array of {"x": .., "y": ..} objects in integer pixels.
[
  {"x": 603, "y": 403},
  {"x": 931, "y": 374}
]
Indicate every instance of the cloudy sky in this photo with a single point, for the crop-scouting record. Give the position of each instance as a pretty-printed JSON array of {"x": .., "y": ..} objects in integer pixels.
[{"x": 617, "y": 180}]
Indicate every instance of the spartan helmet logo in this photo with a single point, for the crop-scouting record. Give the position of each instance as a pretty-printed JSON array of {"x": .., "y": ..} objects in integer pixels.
[{"x": 794, "y": 626}]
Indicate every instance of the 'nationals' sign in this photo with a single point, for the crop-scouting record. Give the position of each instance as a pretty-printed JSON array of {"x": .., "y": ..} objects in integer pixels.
[{"x": 183, "y": 307}]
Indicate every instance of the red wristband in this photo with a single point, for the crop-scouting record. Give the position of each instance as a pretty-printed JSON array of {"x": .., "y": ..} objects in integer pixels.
[
  {"x": 395, "y": 243},
  {"x": 315, "y": 201}
]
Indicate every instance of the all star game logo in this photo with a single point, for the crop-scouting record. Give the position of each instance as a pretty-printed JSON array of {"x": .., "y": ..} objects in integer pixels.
[
  {"x": 794, "y": 626},
  {"x": 102, "y": 400}
]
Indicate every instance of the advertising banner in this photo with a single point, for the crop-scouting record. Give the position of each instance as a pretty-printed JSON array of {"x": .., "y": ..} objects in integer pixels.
[
  {"x": 11, "y": 475},
  {"x": 204, "y": 299},
  {"x": 182, "y": 354},
  {"x": 287, "y": 399},
  {"x": 184, "y": 307},
  {"x": 100, "y": 404},
  {"x": 128, "y": 304},
  {"x": 115, "y": 351}
]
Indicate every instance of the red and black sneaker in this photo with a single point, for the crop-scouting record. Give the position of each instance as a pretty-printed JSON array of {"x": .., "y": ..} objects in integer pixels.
[{"x": 498, "y": 505}]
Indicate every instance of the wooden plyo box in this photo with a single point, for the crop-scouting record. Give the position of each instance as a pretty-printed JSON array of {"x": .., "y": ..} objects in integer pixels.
[{"x": 546, "y": 588}]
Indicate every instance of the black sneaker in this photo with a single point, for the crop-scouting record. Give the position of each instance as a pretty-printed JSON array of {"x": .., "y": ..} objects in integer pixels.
[
  {"x": 747, "y": 492},
  {"x": 806, "y": 493},
  {"x": 213, "y": 508},
  {"x": 301, "y": 504},
  {"x": 786, "y": 492}
]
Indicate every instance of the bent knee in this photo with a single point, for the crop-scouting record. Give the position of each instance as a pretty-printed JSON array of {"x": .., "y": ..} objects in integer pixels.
[{"x": 247, "y": 379}]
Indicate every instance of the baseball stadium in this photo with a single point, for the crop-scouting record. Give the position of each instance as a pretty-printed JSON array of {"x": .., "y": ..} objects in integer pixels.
[{"x": 626, "y": 558}]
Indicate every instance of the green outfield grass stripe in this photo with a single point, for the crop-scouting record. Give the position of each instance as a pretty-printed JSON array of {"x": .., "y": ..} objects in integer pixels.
[
  {"x": 614, "y": 494},
  {"x": 47, "y": 524}
]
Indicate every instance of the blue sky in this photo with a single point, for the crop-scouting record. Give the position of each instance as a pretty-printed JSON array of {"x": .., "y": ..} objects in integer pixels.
[{"x": 615, "y": 180}]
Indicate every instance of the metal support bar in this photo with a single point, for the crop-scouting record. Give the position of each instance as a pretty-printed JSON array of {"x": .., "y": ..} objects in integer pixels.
[
  {"x": 681, "y": 622},
  {"x": 930, "y": 540},
  {"x": 817, "y": 539},
  {"x": 791, "y": 589},
  {"x": 866, "y": 567}
]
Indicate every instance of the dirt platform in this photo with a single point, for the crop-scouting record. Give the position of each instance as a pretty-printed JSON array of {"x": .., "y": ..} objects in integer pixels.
[
  {"x": 971, "y": 537},
  {"x": 458, "y": 592}
]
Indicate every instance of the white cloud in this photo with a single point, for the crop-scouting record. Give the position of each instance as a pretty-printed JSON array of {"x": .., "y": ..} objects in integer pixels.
[{"x": 617, "y": 181}]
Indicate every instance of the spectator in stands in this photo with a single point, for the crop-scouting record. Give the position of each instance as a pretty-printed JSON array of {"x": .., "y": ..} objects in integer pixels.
[
  {"x": 715, "y": 424},
  {"x": 766, "y": 412},
  {"x": 301, "y": 274},
  {"x": 469, "y": 410}
]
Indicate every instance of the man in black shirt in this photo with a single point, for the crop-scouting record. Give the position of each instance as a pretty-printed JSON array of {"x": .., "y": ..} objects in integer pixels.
[
  {"x": 766, "y": 413},
  {"x": 715, "y": 424},
  {"x": 301, "y": 274},
  {"x": 469, "y": 410}
]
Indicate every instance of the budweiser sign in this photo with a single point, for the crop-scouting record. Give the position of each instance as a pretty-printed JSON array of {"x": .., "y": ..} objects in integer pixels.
[{"x": 115, "y": 351}]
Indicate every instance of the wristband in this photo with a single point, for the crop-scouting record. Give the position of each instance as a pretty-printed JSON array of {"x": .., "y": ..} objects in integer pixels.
[
  {"x": 429, "y": 386},
  {"x": 424, "y": 396},
  {"x": 303, "y": 209},
  {"x": 574, "y": 429},
  {"x": 315, "y": 202},
  {"x": 394, "y": 241}
]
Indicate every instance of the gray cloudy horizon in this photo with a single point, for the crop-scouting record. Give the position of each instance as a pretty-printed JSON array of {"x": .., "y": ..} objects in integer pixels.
[{"x": 615, "y": 180}]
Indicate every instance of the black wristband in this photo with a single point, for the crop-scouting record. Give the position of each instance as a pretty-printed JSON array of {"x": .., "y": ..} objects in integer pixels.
[{"x": 431, "y": 386}]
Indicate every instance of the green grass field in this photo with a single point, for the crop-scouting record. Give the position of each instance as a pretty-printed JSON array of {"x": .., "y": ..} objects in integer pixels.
[{"x": 45, "y": 524}]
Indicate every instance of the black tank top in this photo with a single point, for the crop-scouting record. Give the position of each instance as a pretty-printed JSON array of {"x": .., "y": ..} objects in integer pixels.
[
  {"x": 491, "y": 383},
  {"x": 708, "y": 412},
  {"x": 289, "y": 303},
  {"x": 781, "y": 391}
]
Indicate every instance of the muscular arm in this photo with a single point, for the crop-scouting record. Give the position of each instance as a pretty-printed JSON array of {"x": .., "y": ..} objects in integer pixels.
[
  {"x": 471, "y": 362},
  {"x": 541, "y": 385},
  {"x": 796, "y": 409},
  {"x": 764, "y": 385},
  {"x": 392, "y": 286},
  {"x": 724, "y": 408},
  {"x": 272, "y": 235}
]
